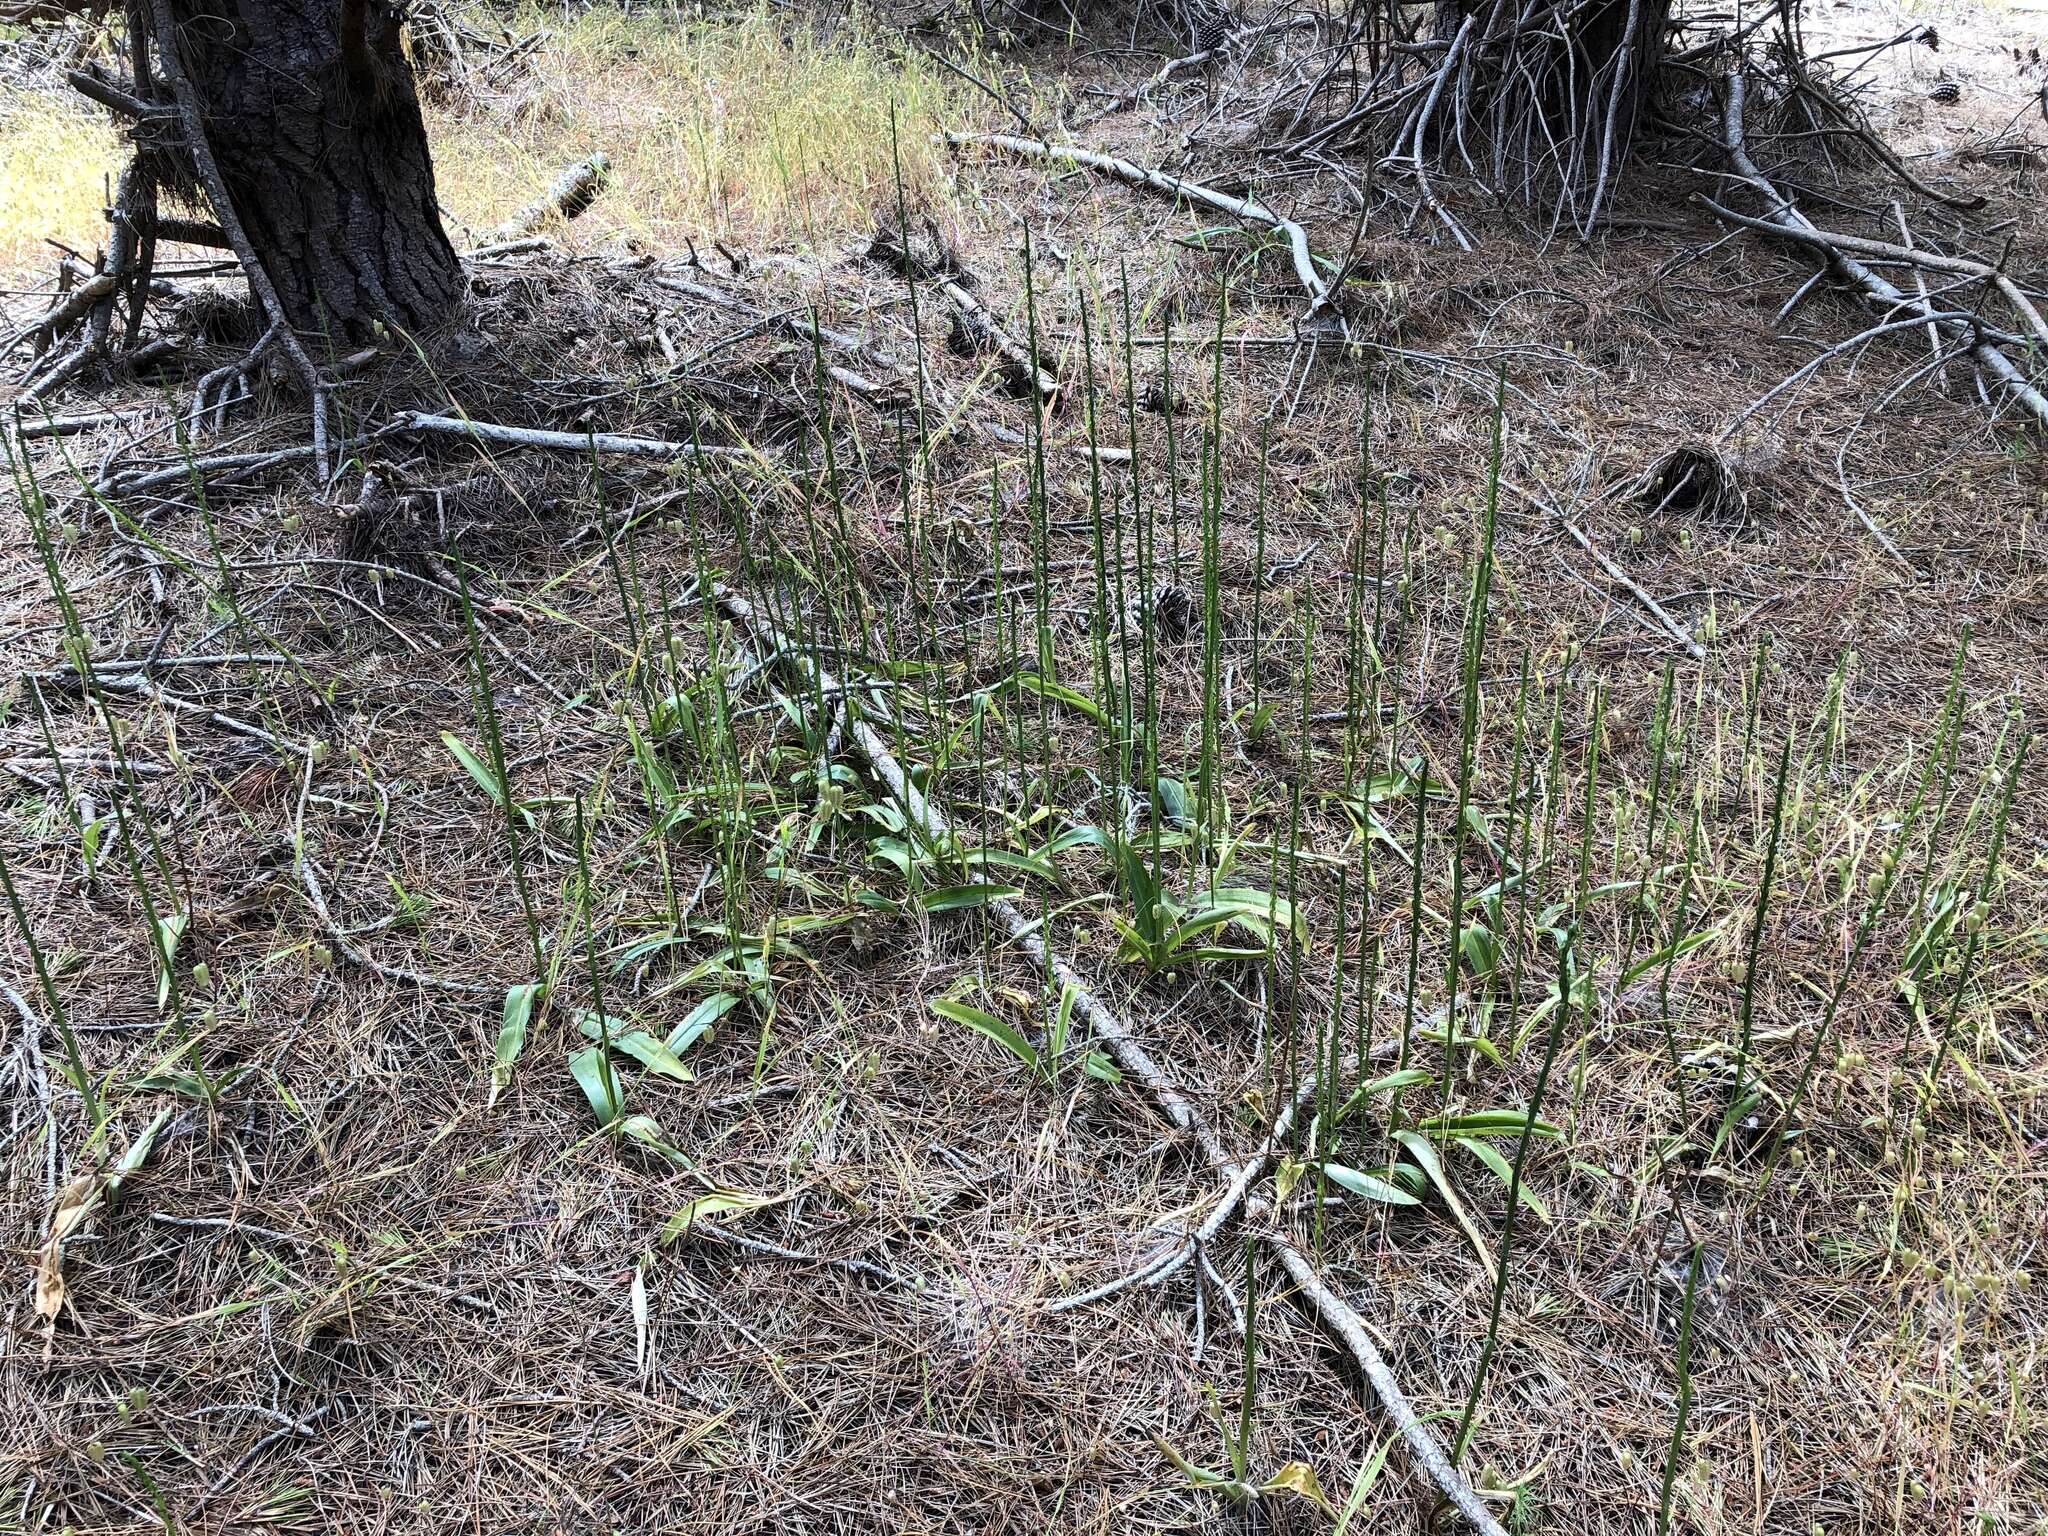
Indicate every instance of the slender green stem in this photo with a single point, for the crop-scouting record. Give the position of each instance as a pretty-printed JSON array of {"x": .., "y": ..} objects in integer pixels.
[
  {"x": 1685, "y": 1311},
  {"x": 75, "y": 1068},
  {"x": 1566, "y": 984},
  {"x": 494, "y": 743}
]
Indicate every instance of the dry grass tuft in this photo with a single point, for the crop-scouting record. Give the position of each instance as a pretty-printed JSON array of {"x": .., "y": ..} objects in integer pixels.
[
  {"x": 746, "y": 127},
  {"x": 55, "y": 156}
]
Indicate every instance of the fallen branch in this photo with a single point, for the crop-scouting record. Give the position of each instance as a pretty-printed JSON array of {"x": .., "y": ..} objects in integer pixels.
[
  {"x": 121, "y": 680},
  {"x": 1110, "y": 1030},
  {"x": 184, "y": 231},
  {"x": 1814, "y": 364},
  {"x": 983, "y": 330},
  {"x": 66, "y": 311},
  {"x": 92, "y": 84},
  {"x": 1128, "y": 99},
  {"x": 214, "y": 469},
  {"x": 1806, "y": 233},
  {"x": 1854, "y": 127},
  {"x": 913, "y": 1285},
  {"x": 980, "y": 328},
  {"x": 39, "y": 1075},
  {"x": 27, "y": 427},
  {"x": 1422, "y": 120},
  {"x": 573, "y": 191},
  {"x": 566, "y": 442},
  {"x": 1785, "y": 218},
  {"x": 1323, "y": 308},
  {"x": 1920, "y": 293},
  {"x": 502, "y": 248}
]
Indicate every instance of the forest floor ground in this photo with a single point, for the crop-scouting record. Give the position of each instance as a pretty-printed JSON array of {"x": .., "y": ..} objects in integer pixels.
[{"x": 537, "y": 1112}]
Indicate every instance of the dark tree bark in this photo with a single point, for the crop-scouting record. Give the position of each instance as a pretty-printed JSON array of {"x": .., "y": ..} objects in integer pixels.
[{"x": 310, "y": 110}]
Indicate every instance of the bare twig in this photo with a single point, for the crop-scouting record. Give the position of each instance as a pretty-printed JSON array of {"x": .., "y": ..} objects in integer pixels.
[
  {"x": 1616, "y": 574},
  {"x": 1323, "y": 305},
  {"x": 1784, "y": 217},
  {"x": 564, "y": 442},
  {"x": 1934, "y": 347},
  {"x": 1176, "y": 1254},
  {"x": 316, "y": 897}
]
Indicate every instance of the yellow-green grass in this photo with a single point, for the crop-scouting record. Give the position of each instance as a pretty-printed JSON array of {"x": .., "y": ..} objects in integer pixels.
[
  {"x": 56, "y": 155},
  {"x": 743, "y": 127}
]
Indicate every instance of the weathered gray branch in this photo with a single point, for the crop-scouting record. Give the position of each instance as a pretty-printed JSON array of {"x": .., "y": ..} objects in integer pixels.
[
  {"x": 1322, "y": 300},
  {"x": 565, "y": 442},
  {"x": 1784, "y": 218}
]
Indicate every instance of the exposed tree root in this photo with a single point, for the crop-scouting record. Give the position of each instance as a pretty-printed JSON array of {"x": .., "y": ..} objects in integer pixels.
[{"x": 1535, "y": 99}]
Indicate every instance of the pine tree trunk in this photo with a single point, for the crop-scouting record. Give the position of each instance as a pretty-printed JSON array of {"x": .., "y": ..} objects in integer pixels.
[{"x": 310, "y": 109}]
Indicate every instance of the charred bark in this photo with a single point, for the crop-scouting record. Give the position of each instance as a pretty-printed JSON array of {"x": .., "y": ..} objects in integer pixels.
[{"x": 310, "y": 111}]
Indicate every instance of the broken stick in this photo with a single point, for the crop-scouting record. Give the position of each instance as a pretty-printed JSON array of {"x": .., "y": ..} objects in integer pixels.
[
  {"x": 1323, "y": 308},
  {"x": 566, "y": 442},
  {"x": 573, "y": 191}
]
